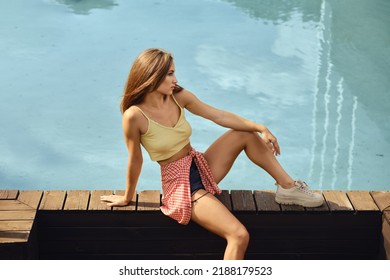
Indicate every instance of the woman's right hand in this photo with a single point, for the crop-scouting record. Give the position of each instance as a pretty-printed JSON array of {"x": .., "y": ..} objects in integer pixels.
[
  {"x": 115, "y": 200},
  {"x": 271, "y": 141}
]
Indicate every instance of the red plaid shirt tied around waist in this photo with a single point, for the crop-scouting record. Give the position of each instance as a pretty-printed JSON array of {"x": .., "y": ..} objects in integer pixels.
[{"x": 175, "y": 178}]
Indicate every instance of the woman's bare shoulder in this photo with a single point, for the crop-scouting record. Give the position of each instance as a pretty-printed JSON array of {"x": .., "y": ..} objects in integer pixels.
[
  {"x": 132, "y": 114},
  {"x": 133, "y": 118},
  {"x": 184, "y": 97},
  {"x": 183, "y": 92}
]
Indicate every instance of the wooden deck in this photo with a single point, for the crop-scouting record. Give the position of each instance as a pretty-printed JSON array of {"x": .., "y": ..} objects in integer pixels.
[{"x": 77, "y": 225}]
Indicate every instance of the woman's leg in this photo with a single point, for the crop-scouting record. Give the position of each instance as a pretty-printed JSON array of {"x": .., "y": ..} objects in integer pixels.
[
  {"x": 224, "y": 151},
  {"x": 211, "y": 214}
]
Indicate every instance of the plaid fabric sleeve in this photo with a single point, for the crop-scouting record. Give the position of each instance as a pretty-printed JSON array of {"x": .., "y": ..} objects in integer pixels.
[{"x": 175, "y": 178}]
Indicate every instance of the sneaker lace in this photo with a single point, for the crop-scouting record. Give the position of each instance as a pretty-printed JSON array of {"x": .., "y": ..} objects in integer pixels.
[{"x": 302, "y": 186}]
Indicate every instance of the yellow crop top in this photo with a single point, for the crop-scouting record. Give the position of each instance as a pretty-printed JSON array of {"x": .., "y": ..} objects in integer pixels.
[{"x": 162, "y": 142}]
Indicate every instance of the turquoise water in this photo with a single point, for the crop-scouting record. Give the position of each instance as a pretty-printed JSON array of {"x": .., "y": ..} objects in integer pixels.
[{"x": 315, "y": 72}]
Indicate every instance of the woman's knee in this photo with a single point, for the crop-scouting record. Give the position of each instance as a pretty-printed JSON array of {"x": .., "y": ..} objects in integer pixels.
[
  {"x": 240, "y": 236},
  {"x": 244, "y": 235}
]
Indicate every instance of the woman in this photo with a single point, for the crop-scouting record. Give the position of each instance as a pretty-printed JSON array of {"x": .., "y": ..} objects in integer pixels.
[{"x": 153, "y": 116}]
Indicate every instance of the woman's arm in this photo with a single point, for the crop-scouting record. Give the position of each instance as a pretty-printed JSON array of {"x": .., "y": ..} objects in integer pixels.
[
  {"x": 225, "y": 119},
  {"x": 130, "y": 122},
  {"x": 220, "y": 117}
]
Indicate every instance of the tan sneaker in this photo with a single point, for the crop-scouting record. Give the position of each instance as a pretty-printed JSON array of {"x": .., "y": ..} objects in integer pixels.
[{"x": 300, "y": 194}]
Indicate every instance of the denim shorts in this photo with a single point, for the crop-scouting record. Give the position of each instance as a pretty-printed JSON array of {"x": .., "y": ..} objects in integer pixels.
[{"x": 195, "y": 180}]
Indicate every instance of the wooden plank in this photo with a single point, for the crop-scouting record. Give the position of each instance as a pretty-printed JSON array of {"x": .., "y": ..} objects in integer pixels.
[
  {"x": 224, "y": 197},
  {"x": 265, "y": 201},
  {"x": 14, "y": 236},
  {"x": 52, "y": 200},
  {"x": 77, "y": 200},
  {"x": 95, "y": 202},
  {"x": 7, "y": 205},
  {"x": 323, "y": 208},
  {"x": 337, "y": 201},
  {"x": 8, "y": 194},
  {"x": 16, "y": 225},
  {"x": 17, "y": 215},
  {"x": 382, "y": 199},
  {"x": 132, "y": 205},
  {"x": 362, "y": 201},
  {"x": 149, "y": 200},
  {"x": 386, "y": 215},
  {"x": 292, "y": 208},
  {"x": 386, "y": 233},
  {"x": 31, "y": 198},
  {"x": 242, "y": 200}
]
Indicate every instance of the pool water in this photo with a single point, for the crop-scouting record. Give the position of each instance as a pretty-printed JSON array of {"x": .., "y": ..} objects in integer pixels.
[{"x": 315, "y": 72}]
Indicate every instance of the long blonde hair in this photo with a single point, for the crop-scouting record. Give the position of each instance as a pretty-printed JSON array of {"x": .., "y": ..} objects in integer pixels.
[{"x": 146, "y": 74}]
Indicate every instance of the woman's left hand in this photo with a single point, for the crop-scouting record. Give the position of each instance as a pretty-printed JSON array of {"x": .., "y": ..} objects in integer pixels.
[
  {"x": 271, "y": 141},
  {"x": 114, "y": 200}
]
